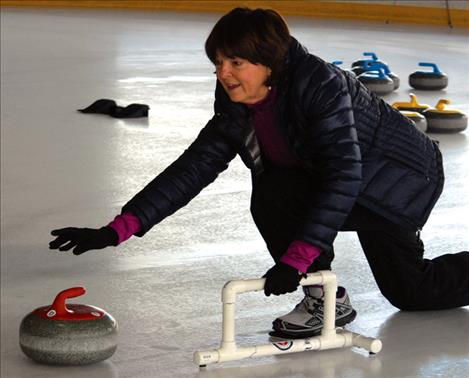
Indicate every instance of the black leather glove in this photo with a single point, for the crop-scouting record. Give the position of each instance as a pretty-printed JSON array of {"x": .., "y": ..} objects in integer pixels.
[
  {"x": 280, "y": 279},
  {"x": 105, "y": 106},
  {"x": 83, "y": 239}
]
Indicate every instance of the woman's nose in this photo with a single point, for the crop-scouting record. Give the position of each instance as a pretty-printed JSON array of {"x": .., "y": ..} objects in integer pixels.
[{"x": 224, "y": 70}]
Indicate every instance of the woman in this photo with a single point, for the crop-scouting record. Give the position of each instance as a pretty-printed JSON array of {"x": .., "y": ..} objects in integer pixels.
[{"x": 325, "y": 154}]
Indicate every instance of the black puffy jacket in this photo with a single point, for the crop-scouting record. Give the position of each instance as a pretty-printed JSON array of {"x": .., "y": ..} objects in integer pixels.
[{"x": 358, "y": 147}]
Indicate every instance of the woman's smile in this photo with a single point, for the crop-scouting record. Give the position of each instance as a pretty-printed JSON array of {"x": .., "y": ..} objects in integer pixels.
[{"x": 232, "y": 86}]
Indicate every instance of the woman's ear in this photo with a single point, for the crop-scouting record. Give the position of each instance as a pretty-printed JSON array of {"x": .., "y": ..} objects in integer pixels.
[{"x": 268, "y": 79}]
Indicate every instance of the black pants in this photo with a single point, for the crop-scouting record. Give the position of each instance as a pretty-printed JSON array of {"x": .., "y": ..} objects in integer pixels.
[{"x": 407, "y": 279}]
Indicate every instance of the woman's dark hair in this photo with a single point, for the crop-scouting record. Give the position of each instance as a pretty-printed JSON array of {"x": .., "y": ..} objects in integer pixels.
[{"x": 259, "y": 35}]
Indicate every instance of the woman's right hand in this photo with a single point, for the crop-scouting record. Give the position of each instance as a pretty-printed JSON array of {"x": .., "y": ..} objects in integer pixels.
[{"x": 83, "y": 239}]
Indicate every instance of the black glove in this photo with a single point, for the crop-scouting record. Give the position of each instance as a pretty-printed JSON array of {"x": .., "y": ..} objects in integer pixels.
[
  {"x": 110, "y": 107},
  {"x": 83, "y": 239},
  {"x": 280, "y": 279}
]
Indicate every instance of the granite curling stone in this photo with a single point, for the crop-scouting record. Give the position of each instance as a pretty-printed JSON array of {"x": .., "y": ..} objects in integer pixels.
[
  {"x": 375, "y": 66},
  {"x": 372, "y": 58},
  {"x": 412, "y": 106},
  {"x": 360, "y": 66},
  {"x": 377, "y": 81},
  {"x": 442, "y": 120},
  {"x": 68, "y": 335},
  {"x": 433, "y": 80},
  {"x": 418, "y": 120}
]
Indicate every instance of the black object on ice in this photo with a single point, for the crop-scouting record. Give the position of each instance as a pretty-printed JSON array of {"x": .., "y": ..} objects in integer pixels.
[{"x": 110, "y": 107}]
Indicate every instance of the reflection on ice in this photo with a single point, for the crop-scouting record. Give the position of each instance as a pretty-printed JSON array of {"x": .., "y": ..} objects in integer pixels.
[{"x": 164, "y": 80}]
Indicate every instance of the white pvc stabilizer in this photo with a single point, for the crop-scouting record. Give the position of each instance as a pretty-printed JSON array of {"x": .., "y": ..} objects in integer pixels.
[{"x": 330, "y": 336}]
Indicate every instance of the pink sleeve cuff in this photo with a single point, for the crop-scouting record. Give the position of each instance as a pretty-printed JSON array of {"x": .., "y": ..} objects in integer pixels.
[
  {"x": 300, "y": 255},
  {"x": 125, "y": 225}
]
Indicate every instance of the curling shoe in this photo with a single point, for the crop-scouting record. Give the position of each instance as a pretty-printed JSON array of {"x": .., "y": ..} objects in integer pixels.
[{"x": 306, "y": 319}]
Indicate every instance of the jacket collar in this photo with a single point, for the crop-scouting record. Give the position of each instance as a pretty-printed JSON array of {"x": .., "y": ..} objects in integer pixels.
[{"x": 296, "y": 52}]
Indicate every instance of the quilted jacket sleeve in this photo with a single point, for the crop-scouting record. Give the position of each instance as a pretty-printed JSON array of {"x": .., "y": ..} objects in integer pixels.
[
  {"x": 334, "y": 154},
  {"x": 180, "y": 182}
]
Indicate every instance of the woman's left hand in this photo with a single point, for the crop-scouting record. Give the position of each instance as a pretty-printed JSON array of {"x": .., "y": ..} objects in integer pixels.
[{"x": 281, "y": 279}]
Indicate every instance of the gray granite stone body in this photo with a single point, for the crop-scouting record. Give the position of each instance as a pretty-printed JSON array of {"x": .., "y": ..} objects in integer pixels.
[
  {"x": 444, "y": 123},
  {"x": 68, "y": 342},
  {"x": 428, "y": 82}
]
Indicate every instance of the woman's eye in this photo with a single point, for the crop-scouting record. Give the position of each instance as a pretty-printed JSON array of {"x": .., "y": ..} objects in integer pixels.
[{"x": 237, "y": 63}]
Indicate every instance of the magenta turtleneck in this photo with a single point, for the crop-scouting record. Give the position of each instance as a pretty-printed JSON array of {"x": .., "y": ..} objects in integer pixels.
[{"x": 270, "y": 139}]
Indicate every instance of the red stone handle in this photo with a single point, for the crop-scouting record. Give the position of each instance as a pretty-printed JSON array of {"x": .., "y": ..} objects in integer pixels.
[
  {"x": 59, "y": 305},
  {"x": 58, "y": 310}
]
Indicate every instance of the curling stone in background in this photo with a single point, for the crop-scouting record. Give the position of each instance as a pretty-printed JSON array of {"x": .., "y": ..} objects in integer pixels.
[
  {"x": 442, "y": 120},
  {"x": 370, "y": 65},
  {"x": 375, "y": 66},
  {"x": 419, "y": 121},
  {"x": 360, "y": 66},
  {"x": 373, "y": 58},
  {"x": 377, "y": 81},
  {"x": 76, "y": 334},
  {"x": 432, "y": 80},
  {"x": 412, "y": 106}
]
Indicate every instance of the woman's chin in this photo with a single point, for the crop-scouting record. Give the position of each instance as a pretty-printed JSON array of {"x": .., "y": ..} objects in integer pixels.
[{"x": 236, "y": 98}]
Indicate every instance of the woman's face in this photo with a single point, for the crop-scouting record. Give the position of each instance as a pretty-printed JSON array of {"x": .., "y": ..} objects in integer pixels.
[{"x": 242, "y": 80}]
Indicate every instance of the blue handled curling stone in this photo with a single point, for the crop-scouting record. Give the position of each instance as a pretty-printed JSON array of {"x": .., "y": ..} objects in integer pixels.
[
  {"x": 418, "y": 120},
  {"x": 373, "y": 66},
  {"x": 443, "y": 120},
  {"x": 433, "y": 80},
  {"x": 412, "y": 106},
  {"x": 361, "y": 66},
  {"x": 377, "y": 81},
  {"x": 68, "y": 335},
  {"x": 373, "y": 58}
]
